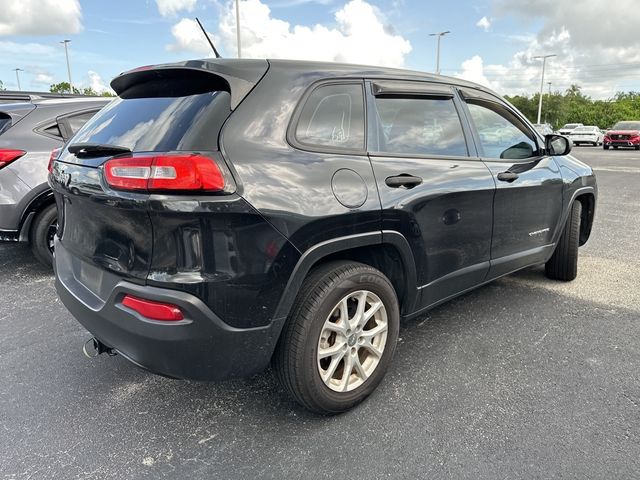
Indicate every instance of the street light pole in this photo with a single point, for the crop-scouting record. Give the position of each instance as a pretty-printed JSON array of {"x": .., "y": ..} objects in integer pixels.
[
  {"x": 238, "y": 28},
  {"x": 18, "y": 77},
  {"x": 439, "y": 35},
  {"x": 66, "y": 52},
  {"x": 544, "y": 61}
]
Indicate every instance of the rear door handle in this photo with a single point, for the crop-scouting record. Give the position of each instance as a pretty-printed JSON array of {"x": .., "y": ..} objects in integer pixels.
[
  {"x": 404, "y": 180},
  {"x": 507, "y": 176}
]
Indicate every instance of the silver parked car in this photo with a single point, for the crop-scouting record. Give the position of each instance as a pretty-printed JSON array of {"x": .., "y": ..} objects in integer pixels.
[
  {"x": 29, "y": 131},
  {"x": 587, "y": 134}
]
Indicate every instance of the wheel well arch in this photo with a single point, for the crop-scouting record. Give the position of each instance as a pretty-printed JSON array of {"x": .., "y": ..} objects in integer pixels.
[
  {"x": 588, "y": 201},
  {"x": 388, "y": 252},
  {"x": 384, "y": 257},
  {"x": 41, "y": 201}
]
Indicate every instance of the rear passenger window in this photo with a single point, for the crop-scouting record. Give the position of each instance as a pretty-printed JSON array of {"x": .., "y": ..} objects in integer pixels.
[
  {"x": 419, "y": 126},
  {"x": 333, "y": 117}
]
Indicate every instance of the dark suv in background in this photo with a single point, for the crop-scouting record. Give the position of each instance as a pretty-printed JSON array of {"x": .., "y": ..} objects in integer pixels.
[
  {"x": 224, "y": 214},
  {"x": 31, "y": 126}
]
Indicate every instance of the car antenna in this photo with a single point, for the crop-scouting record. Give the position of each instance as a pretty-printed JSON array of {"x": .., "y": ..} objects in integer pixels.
[{"x": 208, "y": 39}]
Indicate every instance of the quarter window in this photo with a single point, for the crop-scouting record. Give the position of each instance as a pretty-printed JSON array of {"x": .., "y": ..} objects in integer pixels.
[
  {"x": 418, "y": 126},
  {"x": 77, "y": 121},
  {"x": 502, "y": 134},
  {"x": 333, "y": 117}
]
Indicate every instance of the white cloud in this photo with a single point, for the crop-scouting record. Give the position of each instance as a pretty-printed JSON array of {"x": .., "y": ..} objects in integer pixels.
[
  {"x": 594, "y": 50},
  {"x": 599, "y": 52},
  {"x": 361, "y": 35},
  {"x": 189, "y": 37},
  {"x": 473, "y": 70},
  {"x": 484, "y": 23},
  {"x": 97, "y": 83},
  {"x": 40, "y": 17},
  {"x": 169, "y": 8}
]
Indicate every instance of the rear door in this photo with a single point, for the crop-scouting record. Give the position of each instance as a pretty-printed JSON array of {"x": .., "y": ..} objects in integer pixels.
[
  {"x": 528, "y": 200},
  {"x": 433, "y": 187}
]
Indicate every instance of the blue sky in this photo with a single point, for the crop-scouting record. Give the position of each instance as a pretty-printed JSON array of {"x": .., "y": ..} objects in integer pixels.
[{"x": 108, "y": 38}]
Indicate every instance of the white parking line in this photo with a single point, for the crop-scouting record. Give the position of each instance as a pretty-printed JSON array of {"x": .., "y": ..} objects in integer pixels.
[{"x": 617, "y": 169}]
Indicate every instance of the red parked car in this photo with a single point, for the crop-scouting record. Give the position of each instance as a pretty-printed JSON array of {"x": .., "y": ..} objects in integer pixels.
[{"x": 623, "y": 134}]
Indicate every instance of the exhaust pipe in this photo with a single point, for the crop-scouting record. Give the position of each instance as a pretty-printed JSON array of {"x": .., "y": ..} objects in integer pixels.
[{"x": 94, "y": 347}]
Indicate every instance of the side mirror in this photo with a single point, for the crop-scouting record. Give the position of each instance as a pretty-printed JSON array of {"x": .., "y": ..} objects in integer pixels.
[{"x": 557, "y": 145}]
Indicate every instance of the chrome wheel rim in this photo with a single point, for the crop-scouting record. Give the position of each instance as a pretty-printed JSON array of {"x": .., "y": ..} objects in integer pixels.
[{"x": 352, "y": 341}]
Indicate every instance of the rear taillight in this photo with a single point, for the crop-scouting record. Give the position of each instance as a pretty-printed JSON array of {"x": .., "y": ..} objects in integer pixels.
[
  {"x": 164, "y": 172},
  {"x": 166, "y": 312},
  {"x": 52, "y": 158},
  {"x": 7, "y": 156}
]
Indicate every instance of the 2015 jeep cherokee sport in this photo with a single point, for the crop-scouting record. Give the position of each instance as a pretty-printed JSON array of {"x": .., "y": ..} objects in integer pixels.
[{"x": 224, "y": 214}]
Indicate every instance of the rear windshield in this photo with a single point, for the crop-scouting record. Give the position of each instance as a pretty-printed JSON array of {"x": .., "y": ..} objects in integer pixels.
[
  {"x": 159, "y": 124},
  {"x": 585, "y": 129},
  {"x": 571, "y": 125},
  {"x": 5, "y": 122},
  {"x": 627, "y": 126}
]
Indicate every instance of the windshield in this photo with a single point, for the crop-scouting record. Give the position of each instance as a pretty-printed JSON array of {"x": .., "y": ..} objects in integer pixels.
[
  {"x": 627, "y": 126},
  {"x": 159, "y": 124}
]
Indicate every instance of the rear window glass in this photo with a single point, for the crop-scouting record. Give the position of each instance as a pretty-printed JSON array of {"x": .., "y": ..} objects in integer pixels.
[
  {"x": 5, "y": 122},
  {"x": 160, "y": 123},
  {"x": 333, "y": 117}
]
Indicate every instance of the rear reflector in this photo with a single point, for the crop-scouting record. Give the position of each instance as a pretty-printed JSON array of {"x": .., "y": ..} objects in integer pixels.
[
  {"x": 52, "y": 158},
  {"x": 166, "y": 312},
  {"x": 164, "y": 172},
  {"x": 7, "y": 156}
]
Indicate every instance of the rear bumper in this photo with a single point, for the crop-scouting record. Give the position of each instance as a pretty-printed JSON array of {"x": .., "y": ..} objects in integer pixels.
[{"x": 201, "y": 347}]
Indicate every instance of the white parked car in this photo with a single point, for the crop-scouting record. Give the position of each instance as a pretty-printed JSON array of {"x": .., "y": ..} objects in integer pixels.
[
  {"x": 568, "y": 128},
  {"x": 587, "y": 134}
]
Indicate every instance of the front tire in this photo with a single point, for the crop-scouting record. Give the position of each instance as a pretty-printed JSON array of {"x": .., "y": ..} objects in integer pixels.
[
  {"x": 42, "y": 231},
  {"x": 340, "y": 337},
  {"x": 563, "y": 264}
]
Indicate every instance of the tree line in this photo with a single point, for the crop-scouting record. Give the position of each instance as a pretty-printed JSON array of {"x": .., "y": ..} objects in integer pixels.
[{"x": 573, "y": 106}]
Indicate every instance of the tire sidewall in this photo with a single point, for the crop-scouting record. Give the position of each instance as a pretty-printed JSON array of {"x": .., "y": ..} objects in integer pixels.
[
  {"x": 367, "y": 279},
  {"x": 39, "y": 233}
]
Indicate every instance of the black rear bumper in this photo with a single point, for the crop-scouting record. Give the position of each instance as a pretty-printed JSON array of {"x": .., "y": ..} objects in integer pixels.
[{"x": 200, "y": 347}]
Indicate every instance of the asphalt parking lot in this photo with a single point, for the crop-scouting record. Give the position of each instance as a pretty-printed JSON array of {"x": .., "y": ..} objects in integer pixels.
[{"x": 523, "y": 378}]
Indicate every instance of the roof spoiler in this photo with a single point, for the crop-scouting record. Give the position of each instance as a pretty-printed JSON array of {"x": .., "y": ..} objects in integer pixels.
[{"x": 191, "y": 78}]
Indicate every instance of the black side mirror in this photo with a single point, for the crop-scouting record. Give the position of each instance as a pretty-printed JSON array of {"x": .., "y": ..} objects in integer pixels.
[{"x": 557, "y": 145}]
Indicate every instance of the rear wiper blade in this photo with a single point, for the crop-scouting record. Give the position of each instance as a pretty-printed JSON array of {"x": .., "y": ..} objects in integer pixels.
[{"x": 96, "y": 149}]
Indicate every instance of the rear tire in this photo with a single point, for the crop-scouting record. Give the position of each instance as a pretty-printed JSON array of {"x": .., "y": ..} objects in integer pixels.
[
  {"x": 44, "y": 225},
  {"x": 563, "y": 264},
  {"x": 326, "y": 317}
]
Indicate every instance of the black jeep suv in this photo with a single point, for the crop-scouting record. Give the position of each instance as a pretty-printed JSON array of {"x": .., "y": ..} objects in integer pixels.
[{"x": 224, "y": 214}]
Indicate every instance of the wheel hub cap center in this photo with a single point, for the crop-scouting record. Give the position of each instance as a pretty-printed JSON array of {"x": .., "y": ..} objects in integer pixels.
[{"x": 351, "y": 341}]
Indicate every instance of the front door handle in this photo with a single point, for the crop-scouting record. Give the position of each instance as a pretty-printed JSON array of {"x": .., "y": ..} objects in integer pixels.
[
  {"x": 404, "y": 180},
  {"x": 507, "y": 176}
]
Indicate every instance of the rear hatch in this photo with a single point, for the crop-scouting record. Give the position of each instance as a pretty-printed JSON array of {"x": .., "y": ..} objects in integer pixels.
[{"x": 160, "y": 137}]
